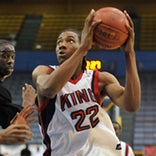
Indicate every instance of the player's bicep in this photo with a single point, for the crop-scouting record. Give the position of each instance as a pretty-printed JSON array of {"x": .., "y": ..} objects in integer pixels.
[
  {"x": 111, "y": 87},
  {"x": 115, "y": 92},
  {"x": 41, "y": 79}
]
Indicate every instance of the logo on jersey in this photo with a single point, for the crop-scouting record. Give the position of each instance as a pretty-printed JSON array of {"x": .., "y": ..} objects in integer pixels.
[
  {"x": 118, "y": 147},
  {"x": 77, "y": 97}
]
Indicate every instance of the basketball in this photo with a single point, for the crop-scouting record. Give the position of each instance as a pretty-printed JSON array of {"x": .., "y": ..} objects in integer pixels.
[{"x": 111, "y": 33}]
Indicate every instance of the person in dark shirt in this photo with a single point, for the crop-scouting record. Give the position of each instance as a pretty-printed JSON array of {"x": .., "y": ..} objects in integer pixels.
[
  {"x": 7, "y": 109},
  {"x": 14, "y": 119}
]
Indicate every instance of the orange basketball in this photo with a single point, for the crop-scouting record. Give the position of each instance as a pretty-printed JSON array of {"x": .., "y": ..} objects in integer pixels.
[{"x": 112, "y": 32}]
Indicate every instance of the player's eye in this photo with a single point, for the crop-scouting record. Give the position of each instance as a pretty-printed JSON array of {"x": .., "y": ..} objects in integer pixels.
[
  {"x": 71, "y": 41},
  {"x": 5, "y": 56}
]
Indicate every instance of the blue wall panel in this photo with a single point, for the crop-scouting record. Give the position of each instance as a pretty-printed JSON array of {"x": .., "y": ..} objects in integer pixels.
[{"x": 27, "y": 60}]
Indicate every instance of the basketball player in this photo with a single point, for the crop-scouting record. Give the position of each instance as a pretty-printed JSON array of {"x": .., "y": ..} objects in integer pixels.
[
  {"x": 126, "y": 148},
  {"x": 70, "y": 97},
  {"x": 15, "y": 125}
]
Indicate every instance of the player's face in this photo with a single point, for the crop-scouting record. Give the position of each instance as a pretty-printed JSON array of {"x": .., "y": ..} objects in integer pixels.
[
  {"x": 7, "y": 59},
  {"x": 66, "y": 45}
]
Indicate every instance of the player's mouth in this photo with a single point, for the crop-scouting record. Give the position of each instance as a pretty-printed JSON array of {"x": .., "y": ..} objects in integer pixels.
[{"x": 61, "y": 53}]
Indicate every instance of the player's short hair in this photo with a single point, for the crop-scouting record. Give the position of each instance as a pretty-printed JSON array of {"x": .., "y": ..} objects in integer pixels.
[
  {"x": 4, "y": 42},
  {"x": 73, "y": 30}
]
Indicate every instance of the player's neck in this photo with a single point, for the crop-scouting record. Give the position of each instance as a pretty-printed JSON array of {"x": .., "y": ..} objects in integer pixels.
[{"x": 77, "y": 73}]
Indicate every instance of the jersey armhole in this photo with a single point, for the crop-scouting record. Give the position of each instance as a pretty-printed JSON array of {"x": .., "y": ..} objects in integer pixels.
[
  {"x": 95, "y": 85},
  {"x": 127, "y": 150},
  {"x": 43, "y": 106}
]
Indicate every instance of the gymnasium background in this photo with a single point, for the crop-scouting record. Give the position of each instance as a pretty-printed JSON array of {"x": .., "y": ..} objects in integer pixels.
[{"x": 33, "y": 25}]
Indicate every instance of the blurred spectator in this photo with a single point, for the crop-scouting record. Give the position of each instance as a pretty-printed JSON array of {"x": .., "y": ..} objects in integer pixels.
[
  {"x": 126, "y": 148},
  {"x": 26, "y": 151}
]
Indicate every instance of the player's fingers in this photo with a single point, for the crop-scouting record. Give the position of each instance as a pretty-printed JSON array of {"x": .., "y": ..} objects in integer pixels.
[
  {"x": 129, "y": 19},
  {"x": 30, "y": 121}
]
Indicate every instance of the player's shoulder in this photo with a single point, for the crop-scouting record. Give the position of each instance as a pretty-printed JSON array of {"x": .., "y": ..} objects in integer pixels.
[
  {"x": 106, "y": 76},
  {"x": 38, "y": 70},
  {"x": 105, "y": 73},
  {"x": 42, "y": 69}
]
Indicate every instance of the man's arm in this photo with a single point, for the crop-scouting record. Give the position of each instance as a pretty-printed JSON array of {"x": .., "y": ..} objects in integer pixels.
[{"x": 129, "y": 96}]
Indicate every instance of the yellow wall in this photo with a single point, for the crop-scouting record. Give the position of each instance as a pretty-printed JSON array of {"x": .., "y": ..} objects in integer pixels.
[{"x": 73, "y": 6}]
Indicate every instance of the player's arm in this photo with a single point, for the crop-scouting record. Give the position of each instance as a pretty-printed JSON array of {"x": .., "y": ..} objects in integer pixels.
[
  {"x": 124, "y": 97},
  {"x": 127, "y": 97},
  {"x": 132, "y": 93},
  {"x": 109, "y": 86}
]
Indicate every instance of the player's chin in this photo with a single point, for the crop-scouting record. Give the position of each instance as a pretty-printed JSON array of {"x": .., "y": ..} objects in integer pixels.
[
  {"x": 10, "y": 71},
  {"x": 61, "y": 60}
]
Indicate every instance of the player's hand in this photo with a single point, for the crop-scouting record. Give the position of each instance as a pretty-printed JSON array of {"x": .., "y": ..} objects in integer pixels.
[
  {"x": 15, "y": 134},
  {"x": 129, "y": 44},
  {"x": 25, "y": 116},
  {"x": 87, "y": 32},
  {"x": 28, "y": 95}
]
